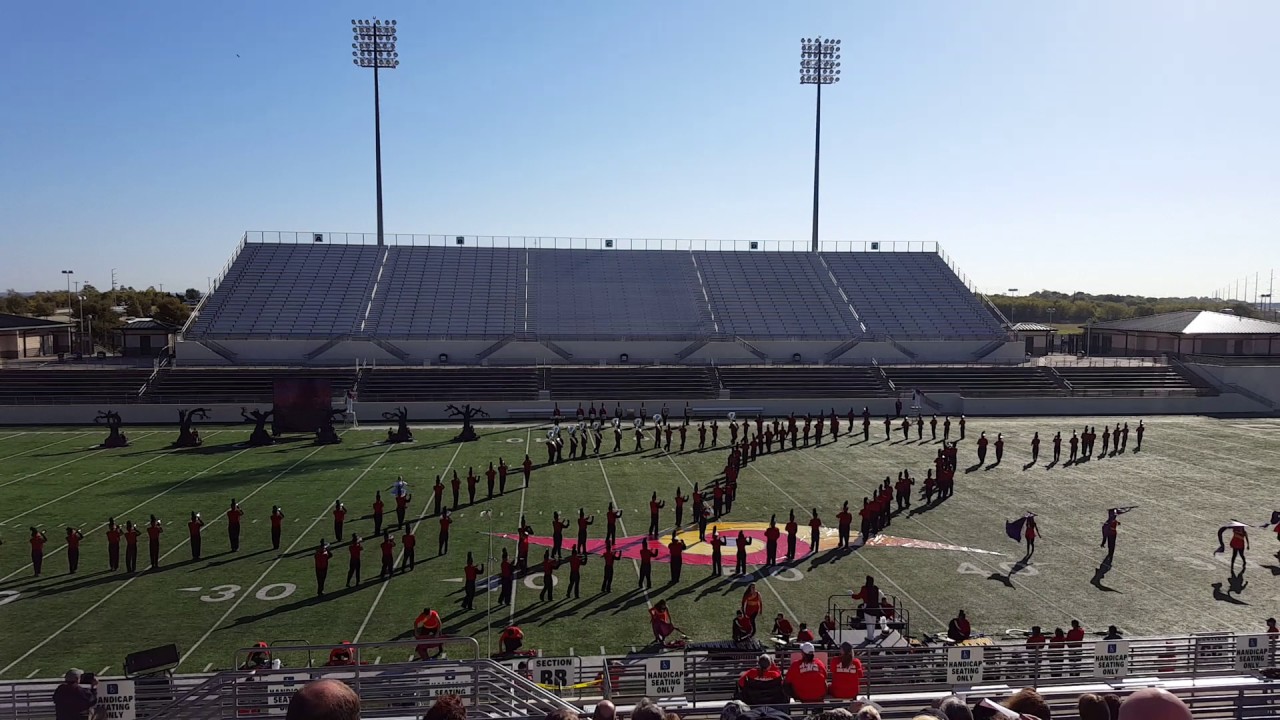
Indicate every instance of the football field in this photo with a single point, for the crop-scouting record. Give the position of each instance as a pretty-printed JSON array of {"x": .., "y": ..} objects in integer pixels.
[{"x": 1192, "y": 476}]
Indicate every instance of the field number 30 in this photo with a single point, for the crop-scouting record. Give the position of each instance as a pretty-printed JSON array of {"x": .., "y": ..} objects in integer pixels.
[{"x": 267, "y": 593}]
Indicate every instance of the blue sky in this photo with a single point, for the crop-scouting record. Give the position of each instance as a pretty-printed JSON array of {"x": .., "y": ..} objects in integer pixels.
[{"x": 1103, "y": 146}]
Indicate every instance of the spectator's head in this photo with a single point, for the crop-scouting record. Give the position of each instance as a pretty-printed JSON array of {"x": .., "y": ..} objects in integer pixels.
[
  {"x": 647, "y": 709},
  {"x": 1028, "y": 702},
  {"x": 1092, "y": 707},
  {"x": 868, "y": 712},
  {"x": 562, "y": 714},
  {"x": 1075, "y": 624},
  {"x": 960, "y": 615},
  {"x": 605, "y": 710},
  {"x": 72, "y": 677},
  {"x": 1113, "y": 705},
  {"x": 846, "y": 650},
  {"x": 670, "y": 715},
  {"x": 1271, "y": 624},
  {"x": 806, "y": 649},
  {"x": 447, "y": 707},
  {"x": 764, "y": 662},
  {"x": 324, "y": 700},
  {"x": 733, "y": 709},
  {"x": 835, "y": 714},
  {"x": 955, "y": 709},
  {"x": 1153, "y": 704},
  {"x": 1035, "y": 630}
]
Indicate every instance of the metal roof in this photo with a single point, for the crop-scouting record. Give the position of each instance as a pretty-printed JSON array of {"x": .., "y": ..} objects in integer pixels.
[
  {"x": 1032, "y": 327},
  {"x": 22, "y": 322},
  {"x": 1193, "y": 322},
  {"x": 147, "y": 324}
]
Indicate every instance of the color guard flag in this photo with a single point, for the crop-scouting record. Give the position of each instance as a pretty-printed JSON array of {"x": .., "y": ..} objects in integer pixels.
[
  {"x": 1013, "y": 528},
  {"x": 1222, "y": 531}
]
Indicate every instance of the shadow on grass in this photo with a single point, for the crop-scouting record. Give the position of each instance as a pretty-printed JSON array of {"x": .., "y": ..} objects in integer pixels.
[{"x": 1099, "y": 575}]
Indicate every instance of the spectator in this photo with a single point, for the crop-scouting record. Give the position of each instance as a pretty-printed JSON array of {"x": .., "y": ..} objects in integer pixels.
[
  {"x": 324, "y": 700},
  {"x": 1153, "y": 704},
  {"x": 764, "y": 670},
  {"x": 868, "y": 712},
  {"x": 1028, "y": 702},
  {"x": 605, "y": 710},
  {"x": 562, "y": 714},
  {"x": 1113, "y": 633},
  {"x": 1092, "y": 707},
  {"x": 807, "y": 677},
  {"x": 446, "y": 707},
  {"x": 958, "y": 629},
  {"x": 73, "y": 701},
  {"x": 954, "y": 709},
  {"x": 846, "y": 674},
  {"x": 1113, "y": 705},
  {"x": 647, "y": 709},
  {"x": 734, "y": 708},
  {"x": 670, "y": 715},
  {"x": 834, "y": 714}
]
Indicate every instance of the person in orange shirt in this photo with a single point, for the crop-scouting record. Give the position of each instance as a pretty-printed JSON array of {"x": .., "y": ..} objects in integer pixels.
[
  {"x": 388, "y": 547},
  {"x": 113, "y": 544},
  {"x": 339, "y": 517},
  {"x": 194, "y": 528},
  {"x": 277, "y": 520},
  {"x": 511, "y": 639},
  {"x": 233, "y": 525},
  {"x": 846, "y": 674},
  {"x": 154, "y": 528},
  {"x": 408, "y": 542},
  {"x": 74, "y": 536},
  {"x": 752, "y": 605},
  {"x": 38, "y": 540},
  {"x": 353, "y": 566},
  {"x": 807, "y": 676},
  {"x": 131, "y": 534},
  {"x": 322, "y": 556},
  {"x": 377, "y": 512},
  {"x": 428, "y": 626}
]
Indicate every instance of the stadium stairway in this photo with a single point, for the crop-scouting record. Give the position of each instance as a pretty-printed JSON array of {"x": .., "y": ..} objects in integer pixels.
[
  {"x": 803, "y": 382},
  {"x": 1013, "y": 381}
]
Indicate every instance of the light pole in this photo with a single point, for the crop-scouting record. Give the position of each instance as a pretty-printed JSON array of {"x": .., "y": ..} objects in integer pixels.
[
  {"x": 68, "y": 273},
  {"x": 819, "y": 65},
  {"x": 375, "y": 46},
  {"x": 80, "y": 316}
]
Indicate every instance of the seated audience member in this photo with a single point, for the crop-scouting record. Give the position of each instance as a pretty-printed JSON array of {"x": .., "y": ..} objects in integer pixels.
[
  {"x": 325, "y": 700},
  {"x": 446, "y": 707},
  {"x": 73, "y": 700},
  {"x": 807, "y": 676},
  {"x": 1153, "y": 704},
  {"x": 1028, "y": 702}
]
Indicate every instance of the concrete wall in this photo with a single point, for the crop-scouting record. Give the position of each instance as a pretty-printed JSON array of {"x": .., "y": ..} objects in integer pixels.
[
  {"x": 864, "y": 353},
  {"x": 1261, "y": 379}
]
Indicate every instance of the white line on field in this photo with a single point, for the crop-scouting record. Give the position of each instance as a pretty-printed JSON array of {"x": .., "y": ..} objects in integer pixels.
[
  {"x": 634, "y": 563},
  {"x": 103, "y": 671},
  {"x": 207, "y": 667},
  {"x": 378, "y": 598},
  {"x": 249, "y": 591},
  {"x": 42, "y": 447},
  {"x": 11, "y": 435},
  {"x": 63, "y": 464},
  {"x": 32, "y": 673},
  {"x": 152, "y": 459},
  {"x": 377, "y": 660},
  {"x": 128, "y": 582}
]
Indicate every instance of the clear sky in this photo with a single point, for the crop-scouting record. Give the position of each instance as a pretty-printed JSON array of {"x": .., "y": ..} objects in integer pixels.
[{"x": 1094, "y": 145}]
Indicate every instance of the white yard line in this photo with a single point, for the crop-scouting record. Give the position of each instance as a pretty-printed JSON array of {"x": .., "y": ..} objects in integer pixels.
[
  {"x": 635, "y": 563},
  {"x": 207, "y": 667},
  {"x": 86, "y": 612},
  {"x": 378, "y": 598},
  {"x": 82, "y": 487},
  {"x": 249, "y": 590},
  {"x": 62, "y": 464},
  {"x": 6, "y": 436},
  {"x": 32, "y": 673},
  {"x": 42, "y": 447}
]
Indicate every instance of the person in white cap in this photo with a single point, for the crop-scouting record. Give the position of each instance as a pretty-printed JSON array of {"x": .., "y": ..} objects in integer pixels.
[{"x": 807, "y": 677}]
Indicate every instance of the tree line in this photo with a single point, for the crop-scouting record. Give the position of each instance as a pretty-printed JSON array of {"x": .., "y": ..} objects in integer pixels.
[
  {"x": 1081, "y": 307},
  {"x": 106, "y": 310}
]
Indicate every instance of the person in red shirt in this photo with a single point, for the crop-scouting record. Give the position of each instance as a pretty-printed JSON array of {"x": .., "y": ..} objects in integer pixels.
[
  {"x": 502, "y": 476},
  {"x": 527, "y": 467},
  {"x": 1140, "y": 429},
  {"x": 233, "y": 525},
  {"x": 456, "y": 484},
  {"x": 792, "y": 528},
  {"x": 339, "y": 517},
  {"x": 764, "y": 670},
  {"x": 610, "y": 556},
  {"x": 869, "y": 594},
  {"x": 38, "y": 540},
  {"x": 982, "y": 447},
  {"x": 74, "y": 536},
  {"x": 154, "y": 529},
  {"x": 846, "y": 674},
  {"x": 660, "y": 622},
  {"x": 1036, "y": 641},
  {"x": 752, "y": 605},
  {"x": 741, "y": 629},
  {"x": 511, "y": 639},
  {"x": 867, "y": 516},
  {"x": 548, "y": 578},
  {"x": 353, "y": 566},
  {"x": 277, "y": 523},
  {"x": 402, "y": 504},
  {"x": 576, "y": 561},
  {"x": 805, "y": 634},
  {"x": 131, "y": 534},
  {"x": 807, "y": 676},
  {"x": 489, "y": 476},
  {"x": 771, "y": 536},
  {"x": 472, "y": 482},
  {"x": 321, "y": 559},
  {"x": 1031, "y": 532},
  {"x": 558, "y": 527},
  {"x": 676, "y": 548},
  {"x": 470, "y": 572},
  {"x": 194, "y": 528},
  {"x": 902, "y": 490},
  {"x": 426, "y": 626},
  {"x": 611, "y": 517},
  {"x": 583, "y": 523},
  {"x": 388, "y": 547},
  {"x": 408, "y": 542},
  {"x": 680, "y": 500},
  {"x": 1075, "y": 446},
  {"x": 1272, "y": 629},
  {"x": 959, "y": 629},
  {"x": 655, "y": 507},
  {"x": 437, "y": 494},
  {"x": 377, "y": 512},
  {"x": 818, "y": 430},
  {"x": 844, "y": 521},
  {"x": 445, "y": 521},
  {"x": 815, "y": 525},
  {"x": 113, "y": 545},
  {"x": 506, "y": 578},
  {"x": 647, "y": 555},
  {"x": 523, "y": 531}
]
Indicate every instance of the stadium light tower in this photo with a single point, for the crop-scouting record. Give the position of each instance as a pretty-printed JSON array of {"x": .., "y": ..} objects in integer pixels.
[
  {"x": 374, "y": 46},
  {"x": 819, "y": 65},
  {"x": 69, "y": 273}
]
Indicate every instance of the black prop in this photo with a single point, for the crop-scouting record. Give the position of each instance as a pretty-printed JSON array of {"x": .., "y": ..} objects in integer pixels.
[
  {"x": 259, "y": 437},
  {"x": 115, "y": 438},
  {"x": 467, "y": 413},
  {"x": 402, "y": 433},
  {"x": 326, "y": 434},
  {"x": 187, "y": 435}
]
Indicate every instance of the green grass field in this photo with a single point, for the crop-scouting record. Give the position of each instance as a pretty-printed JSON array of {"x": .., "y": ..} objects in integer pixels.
[{"x": 1192, "y": 475}]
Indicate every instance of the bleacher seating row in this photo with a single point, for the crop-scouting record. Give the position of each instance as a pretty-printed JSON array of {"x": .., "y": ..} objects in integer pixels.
[
  {"x": 328, "y": 291},
  {"x": 587, "y": 384}
]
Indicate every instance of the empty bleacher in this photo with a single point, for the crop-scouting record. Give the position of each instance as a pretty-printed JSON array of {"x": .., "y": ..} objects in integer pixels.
[
  {"x": 774, "y": 295},
  {"x": 291, "y": 291},
  {"x": 1130, "y": 379},
  {"x": 436, "y": 292},
  {"x": 975, "y": 380},
  {"x": 802, "y": 382},
  {"x": 448, "y": 384},
  {"x": 633, "y": 383},
  {"x": 613, "y": 293},
  {"x": 911, "y": 295},
  {"x": 47, "y": 387},
  {"x": 235, "y": 385}
]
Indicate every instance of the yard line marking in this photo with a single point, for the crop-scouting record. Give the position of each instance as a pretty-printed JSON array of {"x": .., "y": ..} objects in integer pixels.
[
  {"x": 68, "y": 462},
  {"x": 207, "y": 667},
  {"x": 82, "y": 487},
  {"x": 511, "y": 601},
  {"x": 141, "y": 504},
  {"x": 634, "y": 563},
  {"x": 11, "y": 435},
  {"x": 377, "y": 660},
  {"x": 762, "y": 572},
  {"x": 249, "y": 590},
  {"x": 378, "y": 598},
  {"x": 104, "y": 670},
  {"x": 32, "y": 673},
  {"x": 171, "y": 551},
  {"x": 42, "y": 447},
  {"x": 602, "y": 652}
]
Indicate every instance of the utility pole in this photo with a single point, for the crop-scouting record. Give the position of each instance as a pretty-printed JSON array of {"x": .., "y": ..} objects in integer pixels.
[
  {"x": 819, "y": 65},
  {"x": 69, "y": 273},
  {"x": 375, "y": 47}
]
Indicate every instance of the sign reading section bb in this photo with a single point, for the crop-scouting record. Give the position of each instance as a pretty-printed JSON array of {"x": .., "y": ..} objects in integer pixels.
[
  {"x": 663, "y": 677},
  {"x": 1111, "y": 658},
  {"x": 118, "y": 698},
  {"x": 965, "y": 665}
]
